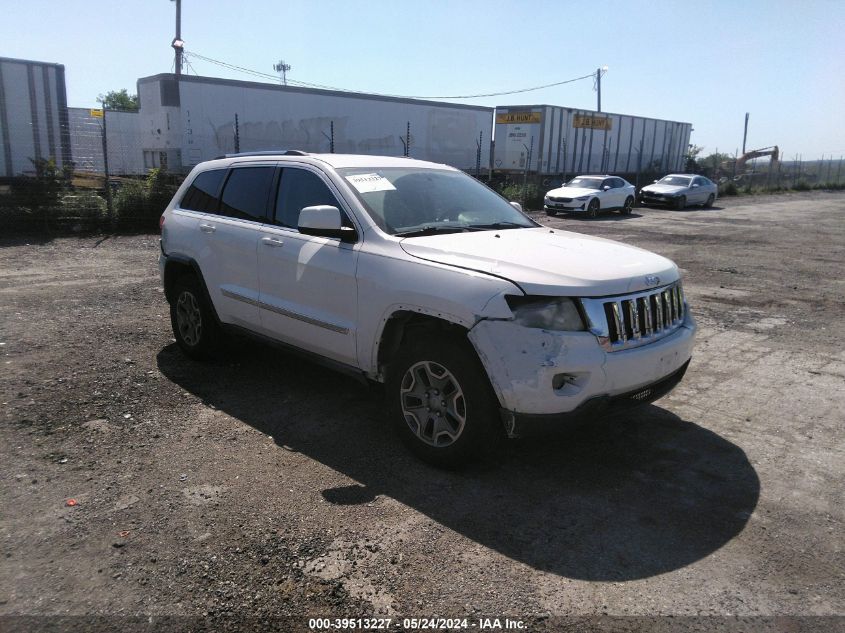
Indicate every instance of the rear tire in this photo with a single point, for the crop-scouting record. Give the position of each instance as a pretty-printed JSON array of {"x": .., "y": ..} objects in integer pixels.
[
  {"x": 193, "y": 320},
  {"x": 680, "y": 203},
  {"x": 593, "y": 208},
  {"x": 628, "y": 206},
  {"x": 440, "y": 402},
  {"x": 710, "y": 200}
]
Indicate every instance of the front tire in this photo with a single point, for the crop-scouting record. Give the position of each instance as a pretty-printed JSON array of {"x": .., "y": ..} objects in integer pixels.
[
  {"x": 593, "y": 208},
  {"x": 628, "y": 206},
  {"x": 551, "y": 213},
  {"x": 193, "y": 321},
  {"x": 680, "y": 203},
  {"x": 440, "y": 402}
]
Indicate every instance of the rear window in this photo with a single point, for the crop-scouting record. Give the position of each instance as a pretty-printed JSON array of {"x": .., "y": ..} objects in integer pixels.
[
  {"x": 246, "y": 191},
  {"x": 202, "y": 194}
]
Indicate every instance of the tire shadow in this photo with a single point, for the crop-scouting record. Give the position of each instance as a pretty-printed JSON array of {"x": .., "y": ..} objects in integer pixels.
[{"x": 620, "y": 498}]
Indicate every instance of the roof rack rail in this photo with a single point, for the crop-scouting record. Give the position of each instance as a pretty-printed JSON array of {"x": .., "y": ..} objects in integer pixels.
[{"x": 269, "y": 152}]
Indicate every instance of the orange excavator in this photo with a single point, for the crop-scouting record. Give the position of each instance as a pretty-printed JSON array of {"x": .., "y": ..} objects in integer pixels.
[{"x": 739, "y": 167}]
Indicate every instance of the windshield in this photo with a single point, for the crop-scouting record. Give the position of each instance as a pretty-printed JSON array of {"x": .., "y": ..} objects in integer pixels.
[
  {"x": 586, "y": 183},
  {"x": 405, "y": 201},
  {"x": 678, "y": 181}
]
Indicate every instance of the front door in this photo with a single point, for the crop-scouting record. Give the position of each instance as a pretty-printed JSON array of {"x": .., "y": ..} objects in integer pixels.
[{"x": 308, "y": 289}]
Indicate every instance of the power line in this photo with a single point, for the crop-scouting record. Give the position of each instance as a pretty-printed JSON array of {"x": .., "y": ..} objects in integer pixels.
[{"x": 297, "y": 82}]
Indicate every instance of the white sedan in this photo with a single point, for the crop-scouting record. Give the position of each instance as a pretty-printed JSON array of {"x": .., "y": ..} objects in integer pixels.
[{"x": 590, "y": 195}]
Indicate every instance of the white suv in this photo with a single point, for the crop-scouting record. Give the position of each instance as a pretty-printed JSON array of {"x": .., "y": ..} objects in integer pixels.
[{"x": 479, "y": 321}]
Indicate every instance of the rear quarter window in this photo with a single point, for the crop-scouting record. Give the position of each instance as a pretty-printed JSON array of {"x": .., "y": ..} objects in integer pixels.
[
  {"x": 203, "y": 192},
  {"x": 246, "y": 192}
]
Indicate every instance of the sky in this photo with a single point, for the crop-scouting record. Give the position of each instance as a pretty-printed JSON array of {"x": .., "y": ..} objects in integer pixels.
[{"x": 707, "y": 63}]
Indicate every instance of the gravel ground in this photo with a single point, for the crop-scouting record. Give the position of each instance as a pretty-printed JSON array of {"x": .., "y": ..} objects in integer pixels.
[{"x": 262, "y": 490}]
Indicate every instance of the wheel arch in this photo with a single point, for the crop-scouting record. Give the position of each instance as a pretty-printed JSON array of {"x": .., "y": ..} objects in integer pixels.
[
  {"x": 177, "y": 266},
  {"x": 407, "y": 321}
]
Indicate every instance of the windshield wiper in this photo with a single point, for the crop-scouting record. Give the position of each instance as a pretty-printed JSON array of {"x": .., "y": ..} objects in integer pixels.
[
  {"x": 433, "y": 230},
  {"x": 495, "y": 226}
]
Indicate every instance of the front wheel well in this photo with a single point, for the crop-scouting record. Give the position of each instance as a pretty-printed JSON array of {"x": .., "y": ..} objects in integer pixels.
[{"x": 405, "y": 324}]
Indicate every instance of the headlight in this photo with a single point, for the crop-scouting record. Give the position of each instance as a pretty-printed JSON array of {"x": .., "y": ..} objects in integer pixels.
[
  {"x": 546, "y": 199},
  {"x": 583, "y": 198},
  {"x": 547, "y": 313}
]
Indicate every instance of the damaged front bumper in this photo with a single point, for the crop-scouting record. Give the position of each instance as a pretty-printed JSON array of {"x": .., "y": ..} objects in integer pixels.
[{"x": 557, "y": 375}]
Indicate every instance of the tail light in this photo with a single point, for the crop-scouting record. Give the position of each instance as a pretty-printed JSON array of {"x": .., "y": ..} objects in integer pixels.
[{"x": 161, "y": 223}]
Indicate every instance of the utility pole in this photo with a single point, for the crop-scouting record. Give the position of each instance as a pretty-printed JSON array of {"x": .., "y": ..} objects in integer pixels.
[
  {"x": 282, "y": 68},
  {"x": 599, "y": 73},
  {"x": 745, "y": 133},
  {"x": 177, "y": 43},
  {"x": 598, "y": 88}
]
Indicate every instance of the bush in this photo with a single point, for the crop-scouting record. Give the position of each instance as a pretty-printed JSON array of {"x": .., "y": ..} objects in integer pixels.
[
  {"x": 139, "y": 204},
  {"x": 130, "y": 200},
  {"x": 533, "y": 195},
  {"x": 728, "y": 189},
  {"x": 801, "y": 185},
  {"x": 84, "y": 204}
]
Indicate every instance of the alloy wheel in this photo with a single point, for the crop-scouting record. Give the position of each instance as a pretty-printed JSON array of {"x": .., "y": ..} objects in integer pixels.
[
  {"x": 188, "y": 318},
  {"x": 433, "y": 403}
]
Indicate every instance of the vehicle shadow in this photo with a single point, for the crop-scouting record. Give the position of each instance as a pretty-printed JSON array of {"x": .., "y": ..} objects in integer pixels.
[
  {"x": 685, "y": 209},
  {"x": 617, "y": 499},
  {"x": 605, "y": 216}
]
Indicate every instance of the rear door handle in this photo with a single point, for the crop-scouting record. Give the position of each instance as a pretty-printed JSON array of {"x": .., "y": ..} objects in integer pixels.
[
  {"x": 272, "y": 241},
  {"x": 207, "y": 228}
]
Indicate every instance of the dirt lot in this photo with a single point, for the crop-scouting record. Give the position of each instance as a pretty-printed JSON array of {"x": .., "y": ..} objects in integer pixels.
[{"x": 265, "y": 487}]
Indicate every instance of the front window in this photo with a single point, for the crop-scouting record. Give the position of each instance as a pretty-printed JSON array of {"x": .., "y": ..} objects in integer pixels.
[
  {"x": 586, "y": 183},
  {"x": 677, "y": 181},
  {"x": 407, "y": 201}
]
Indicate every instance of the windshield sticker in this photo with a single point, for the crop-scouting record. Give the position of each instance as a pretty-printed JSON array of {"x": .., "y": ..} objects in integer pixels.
[{"x": 367, "y": 183}]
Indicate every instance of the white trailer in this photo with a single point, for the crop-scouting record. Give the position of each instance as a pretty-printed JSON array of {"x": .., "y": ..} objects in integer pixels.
[
  {"x": 192, "y": 119},
  {"x": 33, "y": 115},
  {"x": 567, "y": 141},
  {"x": 124, "y": 141}
]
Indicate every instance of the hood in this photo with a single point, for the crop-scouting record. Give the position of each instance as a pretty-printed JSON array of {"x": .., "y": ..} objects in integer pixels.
[
  {"x": 661, "y": 188},
  {"x": 571, "y": 192},
  {"x": 548, "y": 262}
]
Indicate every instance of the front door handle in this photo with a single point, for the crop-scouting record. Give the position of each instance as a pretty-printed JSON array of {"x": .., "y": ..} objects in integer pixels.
[
  {"x": 207, "y": 228},
  {"x": 272, "y": 241}
]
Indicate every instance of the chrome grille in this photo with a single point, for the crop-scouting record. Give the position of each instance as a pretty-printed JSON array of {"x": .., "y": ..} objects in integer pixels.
[{"x": 636, "y": 319}]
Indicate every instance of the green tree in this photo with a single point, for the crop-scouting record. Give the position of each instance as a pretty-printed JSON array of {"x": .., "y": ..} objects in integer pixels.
[
  {"x": 119, "y": 100},
  {"x": 690, "y": 164}
]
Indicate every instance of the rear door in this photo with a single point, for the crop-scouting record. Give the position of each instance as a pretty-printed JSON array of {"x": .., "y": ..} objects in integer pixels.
[
  {"x": 309, "y": 292},
  {"x": 698, "y": 194},
  {"x": 616, "y": 194},
  {"x": 229, "y": 259}
]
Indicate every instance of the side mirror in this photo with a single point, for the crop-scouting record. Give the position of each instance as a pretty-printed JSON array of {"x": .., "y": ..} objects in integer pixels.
[
  {"x": 606, "y": 188},
  {"x": 516, "y": 206},
  {"x": 324, "y": 220},
  {"x": 655, "y": 181},
  {"x": 695, "y": 185}
]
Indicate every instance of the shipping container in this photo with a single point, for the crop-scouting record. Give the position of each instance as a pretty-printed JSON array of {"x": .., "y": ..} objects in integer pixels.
[
  {"x": 191, "y": 119},
  {"x": 124, "y": 141},
  {"x": 33, "y": 115},
  {"x": 564, "y": 142}
]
